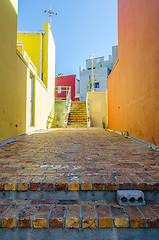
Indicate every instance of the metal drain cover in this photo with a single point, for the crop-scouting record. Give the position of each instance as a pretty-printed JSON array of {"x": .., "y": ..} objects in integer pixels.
[{"x": 130, "y": 197}]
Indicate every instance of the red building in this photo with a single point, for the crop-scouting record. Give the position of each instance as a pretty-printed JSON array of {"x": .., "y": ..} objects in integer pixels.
[{"x": 62, "y": 85}]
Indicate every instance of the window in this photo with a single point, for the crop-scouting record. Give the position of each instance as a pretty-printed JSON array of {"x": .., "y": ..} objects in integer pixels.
[
  {"x": 59, "y": 89},
  {"x": 97, "y": 85},
  {"x": 91, "y": 68}
]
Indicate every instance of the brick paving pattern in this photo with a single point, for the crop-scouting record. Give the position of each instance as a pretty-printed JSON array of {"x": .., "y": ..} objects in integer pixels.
[
  {"x": 79, "y": 159},
  {"x": 81, "y": 214}
]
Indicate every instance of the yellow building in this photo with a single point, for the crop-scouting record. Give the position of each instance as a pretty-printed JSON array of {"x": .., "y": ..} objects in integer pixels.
[{"x": 27, "y": 76}]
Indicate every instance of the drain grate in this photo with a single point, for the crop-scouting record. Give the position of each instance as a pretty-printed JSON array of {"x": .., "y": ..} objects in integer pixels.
[{"x": 130, "y": 197}]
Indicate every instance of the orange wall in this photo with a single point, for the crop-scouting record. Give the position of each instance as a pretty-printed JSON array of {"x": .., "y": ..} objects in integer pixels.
[{"x": 133, "y": 85}]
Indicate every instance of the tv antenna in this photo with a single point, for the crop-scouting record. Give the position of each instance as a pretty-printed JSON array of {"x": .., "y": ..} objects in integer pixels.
[{"x": 51, "y": 13}]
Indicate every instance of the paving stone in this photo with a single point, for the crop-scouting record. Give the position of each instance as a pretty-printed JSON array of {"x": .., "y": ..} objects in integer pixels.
[
  {"x": 48, "y": 183},
  {"x": 110, "y": 154},
  {"x": 17, "y": 202},
  {"x": 112, "y": 202},
  {"x": 68, "y": 202},
  {"x": 152, "y": 220},
  {"x": 136, "y": 183},
  {"x": 86, "y": 183},
  {"x": 111, "y": 183},
  {"x": 120, "y": 217},
  {"x": 3, "y": 208},
  {"x": 136, "y": 218},
  {"x": 2, "y": 181},
  {"x": 50, "y": 201},
  {"x": 41, "y": 216},
  {"x": 25, "y": 216},
  {"x": 104, "y": 217},
  {"x": 123, "y": 183},
  {"x": 73, "y": 184},
  {"x": 23, "y": 184},
  {"x": 10, "y": 184},
  {"x": 72, "y": 217},
  {"x": 156, "y": 179},
  {"x": 155, "y": 208},
  {"x": 61, "y": 183},
  {"x": 88, "y": 217},
  {"x": 9, "y": 218},
  {"x": 56, "y": 219},
  {"x": 93, "y": 202},
  {"x": 151, "y": 202},
  {"x": 36, "y": 183},
  {"x": 149, "y": 184},
  {"x": 98, "y": 183}
]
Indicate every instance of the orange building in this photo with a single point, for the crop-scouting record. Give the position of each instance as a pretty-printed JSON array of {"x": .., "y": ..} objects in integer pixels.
[{"x": 133, "y": 85}]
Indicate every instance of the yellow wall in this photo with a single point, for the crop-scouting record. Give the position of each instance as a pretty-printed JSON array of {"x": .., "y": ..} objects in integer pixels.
[
  {"x": 12, "y": 88},
  {"x": 98, "y": 108},
  {"x": 31, "y": 44},
  {"x": 43, "y": 90},
  {"x": 14, "y": 76}
]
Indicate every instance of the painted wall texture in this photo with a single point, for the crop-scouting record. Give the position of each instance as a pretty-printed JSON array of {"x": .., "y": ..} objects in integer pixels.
[
  {"x": 60, "y": 113},
  {"x": 14, "y": 80},
  {"x": 68, "y": 81},
  {"x": 133, "y": 85},
  {"x": 11, "y": 92},
  {"x": 98, "y": 108},
  {"x": 31, "y": 44}
]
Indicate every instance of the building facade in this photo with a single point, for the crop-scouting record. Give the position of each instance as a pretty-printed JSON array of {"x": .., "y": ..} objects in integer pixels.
[
  {"x": 26, "y": 100},
  {"x": 133, "y": 85},
  {"x": 101, "y": 71},
  {"x": 62, "y": 86}
]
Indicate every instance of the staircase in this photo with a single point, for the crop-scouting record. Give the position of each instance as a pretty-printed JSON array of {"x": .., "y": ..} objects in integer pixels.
[{"x": 78, "y": 115}]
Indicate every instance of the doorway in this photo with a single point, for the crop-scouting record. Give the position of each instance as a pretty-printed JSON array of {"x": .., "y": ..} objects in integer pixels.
[{"x": 31, "y": 101}]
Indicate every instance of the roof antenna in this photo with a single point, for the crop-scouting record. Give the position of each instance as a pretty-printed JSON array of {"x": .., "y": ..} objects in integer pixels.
[{"x": 50, "y": 14}]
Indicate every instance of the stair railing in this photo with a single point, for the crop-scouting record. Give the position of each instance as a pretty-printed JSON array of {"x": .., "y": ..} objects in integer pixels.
[
  {"x": 68, "y": 106},
  {"x": 50, "y": 118},
  {"x": 88, "y": 117}
]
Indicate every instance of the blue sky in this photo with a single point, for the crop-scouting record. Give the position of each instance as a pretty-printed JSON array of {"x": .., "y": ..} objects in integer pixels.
[{"x": 82, "y": 27}]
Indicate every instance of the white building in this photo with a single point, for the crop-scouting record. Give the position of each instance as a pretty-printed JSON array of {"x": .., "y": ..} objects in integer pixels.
[{"x": 101, "y": 71}]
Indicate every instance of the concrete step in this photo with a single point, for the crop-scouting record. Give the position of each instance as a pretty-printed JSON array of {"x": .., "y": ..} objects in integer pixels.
[
  {"x": 77, "y": 124},
  {"x": 77, "y": 117},
  {"x": 77, "y": 120},
  {"x": 78, "y": 110},
  {"x": 77, "y": 114},
  {"x": 78, "y": 102}
]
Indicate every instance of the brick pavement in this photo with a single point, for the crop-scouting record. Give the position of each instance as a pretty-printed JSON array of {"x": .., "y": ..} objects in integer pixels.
[
  {"x": 79, "y": 159},
  {"x": 76, "y": 214}
]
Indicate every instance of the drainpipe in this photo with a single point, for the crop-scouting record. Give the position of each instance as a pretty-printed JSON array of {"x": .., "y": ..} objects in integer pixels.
[{"x": 41, "y": 77}]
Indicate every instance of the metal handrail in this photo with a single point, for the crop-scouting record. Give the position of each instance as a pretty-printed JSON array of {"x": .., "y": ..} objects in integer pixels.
[
  {"x": 88, "y": 116},
  {"x": 68, "y": 106},
  {"x": 50, "y": 117}
]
